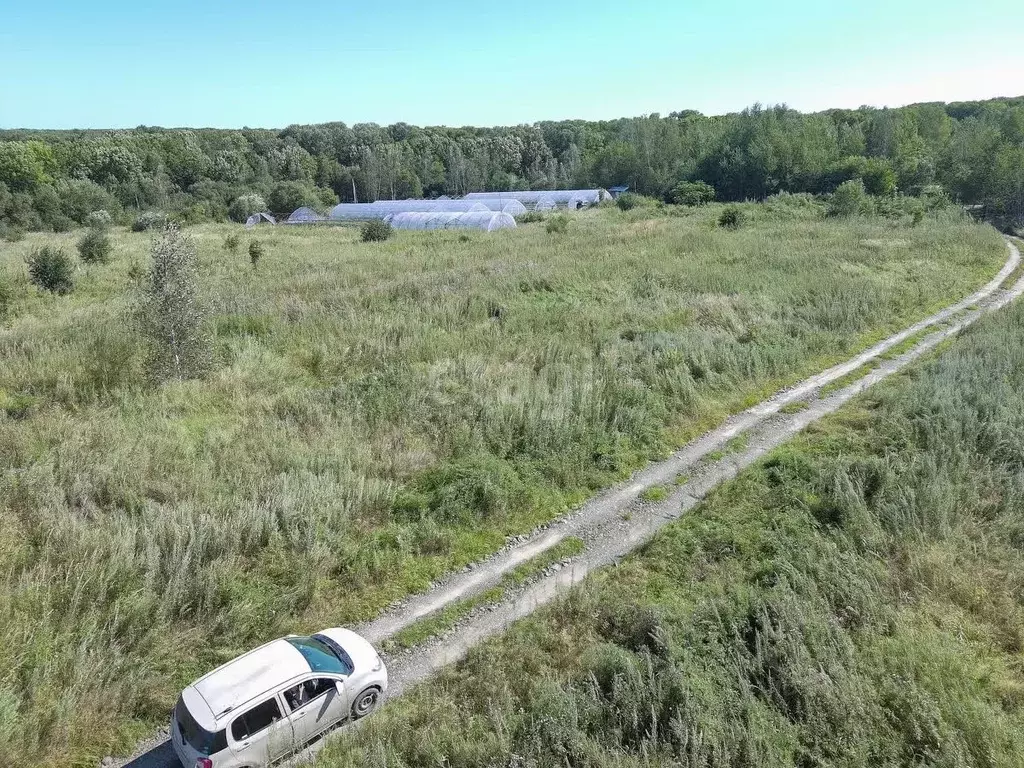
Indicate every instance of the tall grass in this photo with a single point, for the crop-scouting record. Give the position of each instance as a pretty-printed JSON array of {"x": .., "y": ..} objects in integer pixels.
[
  {"x": 854, "y": 599},
  {"x": 376, "y": 417}
]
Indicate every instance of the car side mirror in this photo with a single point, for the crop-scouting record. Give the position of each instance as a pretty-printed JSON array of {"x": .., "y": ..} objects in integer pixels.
[{"x": 340, "y": 685}]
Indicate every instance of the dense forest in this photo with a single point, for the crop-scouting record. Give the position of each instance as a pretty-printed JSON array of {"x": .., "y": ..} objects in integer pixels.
[{"x": 974, "y": 151}]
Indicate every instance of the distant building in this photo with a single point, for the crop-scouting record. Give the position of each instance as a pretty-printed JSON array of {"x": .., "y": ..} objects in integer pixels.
[{"x": 616, "y": 191}]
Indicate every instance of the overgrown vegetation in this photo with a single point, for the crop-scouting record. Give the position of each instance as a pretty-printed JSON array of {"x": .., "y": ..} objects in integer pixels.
[
  {"x": 381, "y": 416},
  {"x": 256, "y": 252},
  {"x": 530, "y": 217},
  {"x": 854, "y": 599},
  {"x": 557, "y": 224},
  {"x": 376, "y": 231},
  {"x": 169, "y": 313},
  {"x": 51, "y": 269},
  {"x": 731, "y": 217},
  {"x": 627, "y": 201},
  {"x": 974, "y": 151},
  {"x": 95, "y": 246},
  {"x": 691, "y": 193}
]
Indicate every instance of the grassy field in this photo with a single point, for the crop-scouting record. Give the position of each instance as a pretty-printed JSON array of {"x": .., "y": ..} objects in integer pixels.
[
  {"x": 854, "y": 599},
  {"x": 378, "y": 415}
]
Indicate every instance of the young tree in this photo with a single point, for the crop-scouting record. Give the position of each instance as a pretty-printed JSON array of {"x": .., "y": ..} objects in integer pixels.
[{"x": 169, "y": 313}]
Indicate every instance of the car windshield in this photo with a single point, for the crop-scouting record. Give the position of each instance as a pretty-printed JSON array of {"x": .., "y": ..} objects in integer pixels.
[
  {"x": 200, "y": 739},
  {"x": 322, "y": 655}
]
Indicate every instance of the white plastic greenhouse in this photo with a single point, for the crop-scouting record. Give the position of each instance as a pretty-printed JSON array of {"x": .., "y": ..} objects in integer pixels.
[
  {"x": 561, "y": 197},
  {"x": 485, "y": 220},
  {"x": 511, "y": 207},
  {"x": 355, "y": 212},
  {"x": 304, "y": 215},
  {"x": 382, "y": 208},
  {"x": 411, "y": 206},
  {"x": 546, "y": 203}
]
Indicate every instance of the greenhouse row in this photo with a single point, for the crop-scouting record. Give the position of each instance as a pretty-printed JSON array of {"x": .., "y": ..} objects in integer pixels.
[
  {"x": 480, "y": 210},
  {"x": 488, "y": 221},
  {"x": 381, "y": 208},
  {"x": 547, "y": 199}
]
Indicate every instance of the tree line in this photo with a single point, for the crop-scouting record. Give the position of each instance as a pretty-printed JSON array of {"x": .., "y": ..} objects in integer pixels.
[{"x": 972, "y": 151}]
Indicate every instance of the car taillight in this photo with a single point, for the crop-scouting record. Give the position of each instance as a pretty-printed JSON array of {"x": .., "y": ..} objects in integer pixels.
[{"x": 204, "y": 762}]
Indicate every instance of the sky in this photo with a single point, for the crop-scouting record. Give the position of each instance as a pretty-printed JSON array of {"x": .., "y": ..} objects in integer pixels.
[{"x": 220, "y": 63}]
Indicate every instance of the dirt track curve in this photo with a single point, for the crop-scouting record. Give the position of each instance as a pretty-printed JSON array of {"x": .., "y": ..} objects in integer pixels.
[{"x": 617, "y": 521}]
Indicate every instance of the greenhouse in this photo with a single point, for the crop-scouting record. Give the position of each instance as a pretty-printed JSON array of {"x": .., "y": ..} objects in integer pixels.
[
  {"x": 485, "y": 220},
  {"x": 504, "y": 205},
  {"x": 382, "y": 208},
  {"x": 561, "y": 197},
  {"x": 546, "y": 203},
  {"x": 259, "y": 218},
  {"x": 409, "y": 206},
  {"x": 304, "y": 215}
]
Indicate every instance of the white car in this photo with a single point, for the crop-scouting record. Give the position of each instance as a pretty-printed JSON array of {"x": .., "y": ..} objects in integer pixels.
[{"x": 272, "y": 701}]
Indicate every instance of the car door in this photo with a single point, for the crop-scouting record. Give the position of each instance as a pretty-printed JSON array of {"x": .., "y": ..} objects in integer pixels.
[
  {"x": 261, "y": 734},
  {"x": 315, "y": 705}
]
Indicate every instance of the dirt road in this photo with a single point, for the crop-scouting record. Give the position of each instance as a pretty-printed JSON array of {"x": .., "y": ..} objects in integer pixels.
[{"x": 617, "y": 521}]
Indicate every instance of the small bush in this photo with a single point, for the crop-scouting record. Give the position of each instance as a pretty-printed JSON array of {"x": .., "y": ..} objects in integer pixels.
[
  {"x": 6, "y": 298},
  {"x": 850, "y": 199},
  {"x": 256, "y": 252},
  {"x": 530, "y": 217},
  {"x": 95, "y": 247},
  {"x": 627, "y": 201},
  {"x": 731, "y": 217},
  {"x": 231, "y": 242},
  {"x": 244, "y": 206},
  {"x": 376, "y": 231},
  {"x": 100, "y": 219},
  {"x": 691, "y": 193},
  {"x": 11, "y": 233},
  {"x": 558, "y": 224},
  {"x": 51, "y": 269},
  {"x": 148, "y": 220}
]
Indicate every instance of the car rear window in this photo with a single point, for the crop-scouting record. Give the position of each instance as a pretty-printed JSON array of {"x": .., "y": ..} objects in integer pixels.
[{"x": 200, "y": 739}]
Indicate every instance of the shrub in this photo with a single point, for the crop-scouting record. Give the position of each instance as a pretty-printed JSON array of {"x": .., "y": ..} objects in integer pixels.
[
  {"x": 255, "y": 253},
  {"x": 850, "y": 199},
  {"x": 530, "y": 217},
  {"x": 100, "y": 219},
  {"x": 286, "y": 196},
  {"x": 244, "y": 206},
  {"x": 691, "y": 193},
  {"x": 628, "y": 201},
  {"x": 6, "y": 297},
  {"x": 11, "y": 232},
  {"x": 51, "y": 269},
  {"x": 231, "y": 242},
  {"x": 94, "y": 247},
  {"x": 148, "y": 220},
  {"x": 731, "y": 217},
  {"x": 169, "y": 314},
  {"x": 558, "y": 224},
  {"x": 376, "y": 231}
]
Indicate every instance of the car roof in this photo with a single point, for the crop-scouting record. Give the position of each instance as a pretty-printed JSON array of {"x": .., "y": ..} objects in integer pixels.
[{"x": 243, "y": 679}]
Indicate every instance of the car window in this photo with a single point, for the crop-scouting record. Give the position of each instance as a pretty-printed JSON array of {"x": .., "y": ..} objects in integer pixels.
[
  {"x": 321, "y": 655},
  {"x": 255, "y": 720},
  {"x": 202, "y": 741},
  {"x": 308, "y": 691}
]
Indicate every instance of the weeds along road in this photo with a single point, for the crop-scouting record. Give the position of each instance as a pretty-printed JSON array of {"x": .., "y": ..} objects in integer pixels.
[{"x": 617, "y": 521}]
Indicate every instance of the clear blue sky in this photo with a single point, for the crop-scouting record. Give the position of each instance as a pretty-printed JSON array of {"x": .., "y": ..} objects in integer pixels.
[{"x": 455, "y": 62}]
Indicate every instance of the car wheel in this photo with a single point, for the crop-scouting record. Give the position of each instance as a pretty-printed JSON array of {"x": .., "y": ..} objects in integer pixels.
[{"x": 365, "y": 703}]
